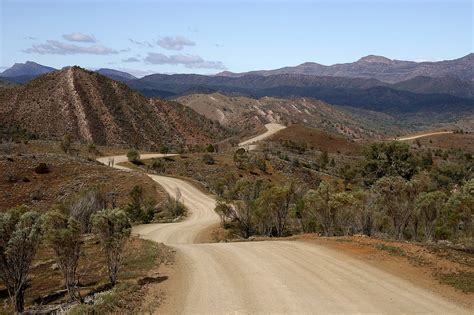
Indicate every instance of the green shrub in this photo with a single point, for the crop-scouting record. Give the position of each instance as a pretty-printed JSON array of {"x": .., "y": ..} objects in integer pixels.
[{"x": 133, "y": 156}]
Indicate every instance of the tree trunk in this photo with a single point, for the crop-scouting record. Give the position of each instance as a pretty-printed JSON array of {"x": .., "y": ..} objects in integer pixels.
[{"x": 20, "y": 299}]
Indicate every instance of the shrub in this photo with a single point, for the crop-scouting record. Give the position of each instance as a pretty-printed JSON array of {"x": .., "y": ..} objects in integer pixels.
[
  {"x": 84, "y": 204},
  {"x": 66, "y": 144},
  {"x": 63, "y": 235},
  {"x": 42, "y": 168},
  {"x": 113, "y": 228},
  {"x": 158, "y": 165},
  {"x": 20, "y": 235},
  {"x": 133, "y": 156},
  {"x": 208, "y": 159}
]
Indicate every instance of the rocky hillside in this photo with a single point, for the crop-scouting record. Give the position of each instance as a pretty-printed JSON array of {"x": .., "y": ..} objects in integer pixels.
[
  {"x": 93, "y": 108},
  {"x": 244, "y": 113}
]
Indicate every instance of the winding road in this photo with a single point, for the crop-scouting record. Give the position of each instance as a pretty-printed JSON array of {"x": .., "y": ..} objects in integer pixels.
[{"x": 274, "y": 277}]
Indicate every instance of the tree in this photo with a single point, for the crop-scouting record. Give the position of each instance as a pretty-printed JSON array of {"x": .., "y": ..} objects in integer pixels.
[
  {"x": 134, "y": 207},
  {"x": 348, "y": 209},
  {"x": 457, "y": 216},
  {"x": 164, "y": 149},
  {"x": 133, "y": 156},
  {"x": 388, "y": 159},
  {"x": 210, "y": 148},
  {"x": 324, "y": 159},
  {"x": 240, "y": 157},
  {"x": 20, "y": 235},
  {"x": 319, "y": 205},
  {"x": 87, "y": 202},
  {"x": 66, "y": 143},
  {"x": 63, "y": 235},
  {"x": 429, "y": 206},
  {"x": 277, "y": 202},
  {"x": 396, "y": 197},
  {"x": 113, "y": 228}
]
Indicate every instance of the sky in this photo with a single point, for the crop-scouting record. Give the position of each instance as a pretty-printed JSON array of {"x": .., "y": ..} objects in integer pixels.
[{"x": 207, "y": 37}]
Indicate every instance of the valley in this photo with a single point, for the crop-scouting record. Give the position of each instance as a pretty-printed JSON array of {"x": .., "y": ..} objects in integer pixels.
[{"x": 301, "y": 190}]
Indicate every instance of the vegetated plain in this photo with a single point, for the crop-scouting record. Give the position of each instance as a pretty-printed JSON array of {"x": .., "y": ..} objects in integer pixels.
[{"x": 331, "y": 178}]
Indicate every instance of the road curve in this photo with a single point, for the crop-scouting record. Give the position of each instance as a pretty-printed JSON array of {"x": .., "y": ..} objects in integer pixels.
[
  {"x": 278, "y": 277},
  {"x": 423, "y": 135},
  {"x": 272, "y": 128}
]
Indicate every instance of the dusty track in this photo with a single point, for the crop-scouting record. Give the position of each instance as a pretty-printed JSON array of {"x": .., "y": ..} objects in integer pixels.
[
  {"x": 423, "y": 135},
  {"x": 272, "y": 128},
  {"x": 278, "y": 277}
]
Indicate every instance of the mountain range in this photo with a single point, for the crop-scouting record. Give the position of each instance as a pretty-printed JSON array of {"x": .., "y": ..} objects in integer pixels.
[
  {"x": 378, "y": 67},
  {"x": 93, "y": 108}
]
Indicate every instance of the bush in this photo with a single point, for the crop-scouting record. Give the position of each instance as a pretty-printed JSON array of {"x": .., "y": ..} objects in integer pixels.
[
  {"x": 42, "y": 168},
  {"x": 20, "y": 235},
  {"x": 133, "y": 156},
  {"x": 113, "y": 228},
  {"x": 158, "y": 165},
  {"x": 66, "y": 143},
  {"x": 208, "y": 159},
  {"x": 139, "y": 209}
]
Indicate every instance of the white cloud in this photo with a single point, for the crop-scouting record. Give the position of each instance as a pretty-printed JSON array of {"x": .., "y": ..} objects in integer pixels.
[
  {"x": 142, "y": 44},
  {"x": 175, "y": 43},
  {"x": 189, "y": 61},
  {"x": 137, "y": 73},
  {"x": 131, "y": 59},
  {"x": 54, "y": 47},
  {"x": 79, "y": 37}
]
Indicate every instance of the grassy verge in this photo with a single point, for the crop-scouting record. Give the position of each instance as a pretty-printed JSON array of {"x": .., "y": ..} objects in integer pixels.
[
  {"x": 392, "y": 250},
  {"x": 463, "y": 281}
]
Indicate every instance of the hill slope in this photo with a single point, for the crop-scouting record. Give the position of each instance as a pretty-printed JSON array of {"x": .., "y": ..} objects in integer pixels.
[
  {"x": 245, "y": 114},
  {"x": 93, "y": 108},
  {"x": 368, "y": 94}
]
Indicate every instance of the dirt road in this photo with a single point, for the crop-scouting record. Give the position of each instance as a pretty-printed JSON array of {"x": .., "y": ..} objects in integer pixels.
[
  {"x": 279, "y": 277},
  {"x": 423, "y": 135},
  {"x": 272, "y": 128}
]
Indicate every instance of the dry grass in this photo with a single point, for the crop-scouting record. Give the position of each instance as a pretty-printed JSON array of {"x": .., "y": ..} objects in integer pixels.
[
  {"x": 19, "y": 184},
  {"x": 318, "y": 140}
]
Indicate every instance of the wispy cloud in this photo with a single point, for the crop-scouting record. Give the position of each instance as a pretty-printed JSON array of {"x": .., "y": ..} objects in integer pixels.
[
  {"x": 175, "y": 43},
  {"x": 137, "y": 73},
  {"x": 54, "y": 47},
  {"x": 142, "y": 44},
  {"x": 79, "y": 37},
  {"x": 189, "y": 61},
  {"x": 131, "y": 59}
]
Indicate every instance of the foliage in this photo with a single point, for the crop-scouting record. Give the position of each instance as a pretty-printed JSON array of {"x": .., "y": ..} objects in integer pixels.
[
  {"x": 63, "y": 235},
  {"x": 208, "y": 159},
  {"x": 133, "y": 156},
  {"x": 66, "y": 144},
  {"x": 113, "y": 228},
  {"x": 139, "y": 209},
  {"x": 86, "y": 203},
  {"x": 388, "y": 159},
  {"x": 20, "y": 235}
]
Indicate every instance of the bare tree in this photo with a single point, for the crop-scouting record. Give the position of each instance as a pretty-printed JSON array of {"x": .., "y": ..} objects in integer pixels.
[
  {"x": 20, "y": 236},
  {"x": 86, "y": 203}
]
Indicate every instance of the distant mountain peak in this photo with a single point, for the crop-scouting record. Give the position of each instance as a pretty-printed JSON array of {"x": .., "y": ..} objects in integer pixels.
[
  {"x": 374, "y": 59},
  {"x": 29, "y": 68}
]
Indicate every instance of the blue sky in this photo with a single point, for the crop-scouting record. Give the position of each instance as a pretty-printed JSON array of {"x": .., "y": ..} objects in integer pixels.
[{"x": 209, "y": 36}]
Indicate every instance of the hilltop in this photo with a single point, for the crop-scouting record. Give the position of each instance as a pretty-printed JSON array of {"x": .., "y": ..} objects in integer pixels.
[{"x": 93, "y": 108}]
